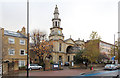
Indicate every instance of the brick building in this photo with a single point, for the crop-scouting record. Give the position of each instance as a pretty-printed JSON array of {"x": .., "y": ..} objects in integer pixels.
[{"x": 14, "y": 47}]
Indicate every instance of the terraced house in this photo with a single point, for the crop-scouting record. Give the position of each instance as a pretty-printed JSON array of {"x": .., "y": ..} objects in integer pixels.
[{"x": 14, "y": 47}]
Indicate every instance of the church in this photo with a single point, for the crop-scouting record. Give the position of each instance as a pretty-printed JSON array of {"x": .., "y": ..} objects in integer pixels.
[{"x": 63, "y": 50}]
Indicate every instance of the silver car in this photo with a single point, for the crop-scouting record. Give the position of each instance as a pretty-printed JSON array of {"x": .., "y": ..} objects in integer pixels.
[
  {"x": 34, "y": 66},
  {"x": 110, "y": 66}
]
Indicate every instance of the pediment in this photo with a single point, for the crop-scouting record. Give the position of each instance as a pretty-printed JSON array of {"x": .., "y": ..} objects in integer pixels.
[{"x": 70, "y": 41}]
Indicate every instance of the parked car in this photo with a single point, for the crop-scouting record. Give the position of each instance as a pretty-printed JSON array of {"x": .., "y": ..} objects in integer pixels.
[
  {"x": 66, "y": 64},
  {"x": 111, "y": 66},
  {"x": 34, "y": 66},
  {"x": 118, "y": 65}
]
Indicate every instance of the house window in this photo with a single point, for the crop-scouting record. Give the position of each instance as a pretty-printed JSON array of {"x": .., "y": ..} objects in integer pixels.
[
  {"x": 60, "y": 47},
  {"x": 22, "y": 42},
  {"x": 11, "y": 40},
  {"x": 22, "y": 52},
  {"x": 11, "y": 51},
  {"x": 21, "y": 63}
]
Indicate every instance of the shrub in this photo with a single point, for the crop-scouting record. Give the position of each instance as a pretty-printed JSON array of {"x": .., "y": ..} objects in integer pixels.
[{"x": 22, "y": 67}]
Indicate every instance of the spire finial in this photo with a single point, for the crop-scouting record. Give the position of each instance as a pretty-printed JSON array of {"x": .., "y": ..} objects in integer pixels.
[
  {"x": 56, "y": 7},
  {"x": 56, "y": 10},
  {"x": 70, "y": 36}
]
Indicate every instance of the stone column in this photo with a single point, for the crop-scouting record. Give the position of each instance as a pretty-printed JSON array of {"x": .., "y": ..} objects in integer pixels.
[
  {"x": 59, "y": 64},
  {"x": 16, "y": 66},
  {"x": 5, "y": 68},
  {"x": 47, "y": 65}
]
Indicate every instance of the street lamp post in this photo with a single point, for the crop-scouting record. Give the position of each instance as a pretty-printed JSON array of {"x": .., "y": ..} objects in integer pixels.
[
  {"x": 118, "y": 47},
  {"x": 114, "y": 48},
  {"x": 27, "y": 38}
]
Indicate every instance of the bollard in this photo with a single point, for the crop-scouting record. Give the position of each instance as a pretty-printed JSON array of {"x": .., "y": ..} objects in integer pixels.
[{"x": 91, "y": 68}]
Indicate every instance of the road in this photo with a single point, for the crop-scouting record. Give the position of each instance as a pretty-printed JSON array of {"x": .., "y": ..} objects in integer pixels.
[{"x": 101, "y": 74}]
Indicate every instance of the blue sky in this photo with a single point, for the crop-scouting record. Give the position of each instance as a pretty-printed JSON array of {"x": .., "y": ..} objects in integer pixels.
[{"x": 78, "y": 17}]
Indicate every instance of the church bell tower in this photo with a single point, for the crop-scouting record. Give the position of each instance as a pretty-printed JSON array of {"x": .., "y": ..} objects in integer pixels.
[{"x": 56, "y": 30}]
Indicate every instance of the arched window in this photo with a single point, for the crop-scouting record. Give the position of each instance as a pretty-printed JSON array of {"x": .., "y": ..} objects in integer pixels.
[
  {"x": 60, "y": 47},
  {"x": 68, "y": 58}
]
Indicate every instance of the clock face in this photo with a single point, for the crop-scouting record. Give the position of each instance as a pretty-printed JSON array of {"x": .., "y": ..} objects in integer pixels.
[{"x": 58, "y": 32}]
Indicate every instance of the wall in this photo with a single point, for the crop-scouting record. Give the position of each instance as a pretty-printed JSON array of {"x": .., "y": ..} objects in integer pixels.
[
  {"x": 15, "y": 46},
  {"x": 0, "y": 51}
]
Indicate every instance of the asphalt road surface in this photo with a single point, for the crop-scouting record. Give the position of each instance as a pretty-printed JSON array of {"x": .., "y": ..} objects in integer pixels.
[{"x": 101, "y": 74}]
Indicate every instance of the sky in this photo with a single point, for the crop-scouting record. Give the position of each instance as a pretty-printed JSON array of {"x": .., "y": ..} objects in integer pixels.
[{"x": 78, "y": 17}]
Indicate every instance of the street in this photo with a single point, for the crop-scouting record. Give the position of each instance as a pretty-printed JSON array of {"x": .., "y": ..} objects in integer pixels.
[
  {"x": 102, "y": 74},
  {"x": 74, "y": 73}
]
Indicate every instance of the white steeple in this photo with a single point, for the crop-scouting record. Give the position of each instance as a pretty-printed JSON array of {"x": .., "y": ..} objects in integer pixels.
[
  {"x": 56, "y": 20},
  {"x": 56, "y": 12},
  {"x": 56, "y": 30}
]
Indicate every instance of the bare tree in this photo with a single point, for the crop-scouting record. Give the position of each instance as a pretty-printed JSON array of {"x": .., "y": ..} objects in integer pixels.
[{"x": 41, "y": 46}]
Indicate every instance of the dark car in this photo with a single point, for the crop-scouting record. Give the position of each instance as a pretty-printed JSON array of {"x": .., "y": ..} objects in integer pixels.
[{"x": 66, "y": 64}]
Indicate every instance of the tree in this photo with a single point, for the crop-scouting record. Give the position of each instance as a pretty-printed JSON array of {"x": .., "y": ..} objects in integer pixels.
[
  {"x": 119, "y": 50},
  {"x": 78, "y": 57},
  {"x": 102, "y": 56},
  {"x": 92, "y": 48},
  {"x": 41, "y": 47},
  {"x": 116, "y": 50}
]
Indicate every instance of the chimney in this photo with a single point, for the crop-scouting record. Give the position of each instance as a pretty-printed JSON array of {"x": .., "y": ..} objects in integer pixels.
[
  {"x": 2, "y": 29},
  {"x": 18, "y": 31},
  {"x": 23, "y": 31}
]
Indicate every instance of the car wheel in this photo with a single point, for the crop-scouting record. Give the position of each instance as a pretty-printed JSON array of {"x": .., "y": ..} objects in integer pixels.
[
  {"x": 30, "y": 68},
  {"x": 40, "y": 68}
]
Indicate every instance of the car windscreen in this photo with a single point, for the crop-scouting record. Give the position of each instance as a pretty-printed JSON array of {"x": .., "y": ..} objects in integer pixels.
[{"x": 32, "y": 65}]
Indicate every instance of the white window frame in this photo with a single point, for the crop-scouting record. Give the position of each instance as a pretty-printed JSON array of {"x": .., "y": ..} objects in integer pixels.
[
  {"x": 22, "y": 43},
  {"x": 20, "y": 63},
  {"x": 20, "y": 52},
  {"x": 9, "y": 39},
  {"x": 9, "y": 52}
]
